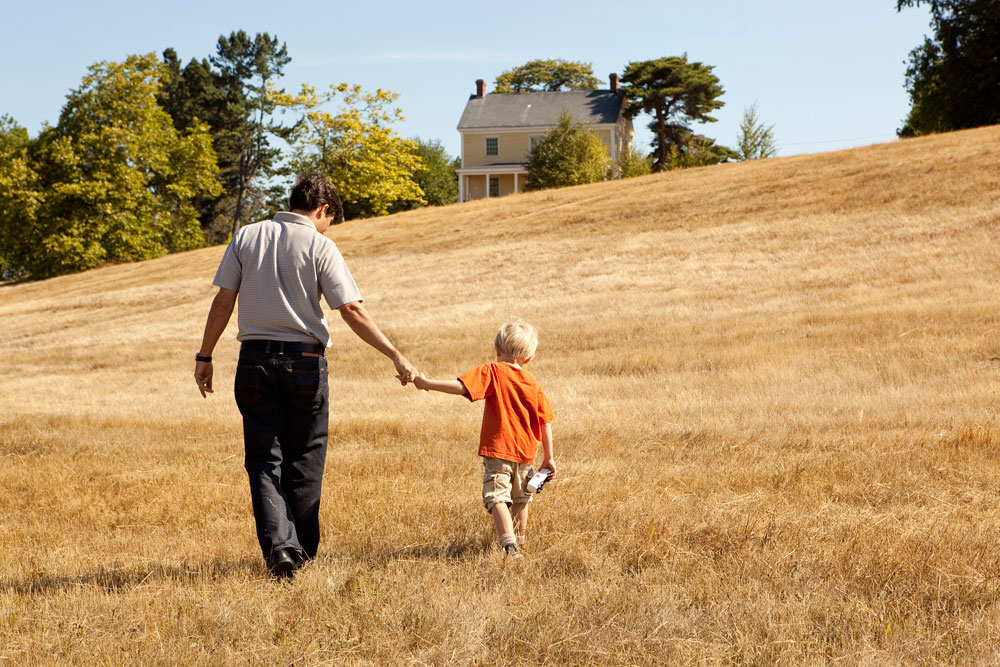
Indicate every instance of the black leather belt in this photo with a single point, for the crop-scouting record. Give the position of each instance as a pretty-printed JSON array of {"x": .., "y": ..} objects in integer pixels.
[{"x": 282, "y": 346}]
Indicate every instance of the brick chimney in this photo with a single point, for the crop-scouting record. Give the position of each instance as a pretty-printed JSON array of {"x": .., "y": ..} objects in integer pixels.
[
  {"x": 614, "y": 82},
  {"x": 480, "y": 87}
]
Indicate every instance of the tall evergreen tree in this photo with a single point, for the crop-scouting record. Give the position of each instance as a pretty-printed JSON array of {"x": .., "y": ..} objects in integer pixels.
[
  {"x": 676, "y": 93},
  {"x": 954, "y": 78},
  {"x": 189, "y": 93},
  {"x": 248, "y": 69},
  {"x": 756, "y": 139}
]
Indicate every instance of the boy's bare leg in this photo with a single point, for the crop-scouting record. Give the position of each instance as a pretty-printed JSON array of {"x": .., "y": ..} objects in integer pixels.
[
  {"x": 502, "y": 520},
  {"x": 519, "y": 514},
  {"x": 505, "y": 530}
]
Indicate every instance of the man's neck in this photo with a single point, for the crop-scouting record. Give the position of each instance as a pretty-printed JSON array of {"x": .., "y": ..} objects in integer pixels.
[{"x": 314, "y": 217}]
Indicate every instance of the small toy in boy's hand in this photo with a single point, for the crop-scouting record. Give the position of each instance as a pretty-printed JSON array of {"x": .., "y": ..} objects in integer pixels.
[{"x": 538, "y": 480}]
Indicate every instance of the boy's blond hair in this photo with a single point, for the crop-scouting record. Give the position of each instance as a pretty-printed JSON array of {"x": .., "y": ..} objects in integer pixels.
[{"x": 517, "y": 339}]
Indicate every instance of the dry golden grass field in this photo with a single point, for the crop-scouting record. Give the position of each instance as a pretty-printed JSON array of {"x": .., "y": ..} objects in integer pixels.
[{"x": 777, "y": 430}]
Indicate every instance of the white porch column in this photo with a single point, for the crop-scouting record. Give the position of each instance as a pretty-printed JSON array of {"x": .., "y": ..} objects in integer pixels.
[
  {"x": 515, "y": 183},
  {"x": 486, "y": 178},
  {"x": 461, "y": 190}
]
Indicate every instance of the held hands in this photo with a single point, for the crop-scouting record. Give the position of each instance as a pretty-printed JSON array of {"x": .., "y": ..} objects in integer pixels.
[
  {"x": 405, "y": 371},
  {"x": 421, "y": 382}
]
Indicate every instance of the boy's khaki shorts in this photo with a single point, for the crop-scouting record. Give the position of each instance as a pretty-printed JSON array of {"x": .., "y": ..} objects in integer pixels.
[{"x": 505, "y": 482}]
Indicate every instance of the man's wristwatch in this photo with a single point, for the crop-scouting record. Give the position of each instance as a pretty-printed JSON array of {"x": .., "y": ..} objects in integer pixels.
[{"x": 207, "y": 360}]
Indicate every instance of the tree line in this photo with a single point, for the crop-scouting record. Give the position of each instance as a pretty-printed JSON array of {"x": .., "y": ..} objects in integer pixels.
[{"x": 151, "y": 156}]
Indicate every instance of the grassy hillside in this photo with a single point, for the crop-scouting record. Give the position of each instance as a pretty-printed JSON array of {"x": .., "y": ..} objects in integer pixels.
[{"x": 777, "y": 431}]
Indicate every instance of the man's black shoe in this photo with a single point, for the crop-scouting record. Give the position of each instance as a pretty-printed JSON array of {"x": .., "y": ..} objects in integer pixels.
[{"x": 282, "y": 564}]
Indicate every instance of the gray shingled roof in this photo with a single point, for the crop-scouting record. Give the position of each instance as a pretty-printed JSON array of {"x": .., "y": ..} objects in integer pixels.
[{"x": 540, "y": 109}]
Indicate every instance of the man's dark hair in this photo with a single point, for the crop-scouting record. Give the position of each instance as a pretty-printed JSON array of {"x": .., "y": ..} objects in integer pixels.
[{"x": 312, "y": 190}]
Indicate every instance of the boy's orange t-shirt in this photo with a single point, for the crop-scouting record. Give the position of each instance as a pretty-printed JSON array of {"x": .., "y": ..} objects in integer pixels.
[{"x": 515, "y": 410}]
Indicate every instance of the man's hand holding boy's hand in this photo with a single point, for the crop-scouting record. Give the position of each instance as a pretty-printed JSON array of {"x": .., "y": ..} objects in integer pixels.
[
  {"x": 405, "y": 371},
  {"x": 420, "y": 381}
]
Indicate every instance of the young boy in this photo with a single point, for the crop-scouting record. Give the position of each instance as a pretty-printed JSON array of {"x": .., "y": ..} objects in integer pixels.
[{"x": 516, "y": 417}]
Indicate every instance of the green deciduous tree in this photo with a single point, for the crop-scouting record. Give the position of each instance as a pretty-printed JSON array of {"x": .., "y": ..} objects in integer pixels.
[
  {"x": 355, "y": 147},
  {"x": 435, "y": 176},
  {"x": 755, "y": 140},
  {"x": 676, "y": 93},
  {"x": 248, "y": 69},
  {"x": 568, "y": 154},
  {"x": 112, "y": 181},
  {"x": 954, "y": 78},
  {"x": 633, "y": 162},
  {"x": 19, "y": 197},
  {"x": 547, "y": 75}
]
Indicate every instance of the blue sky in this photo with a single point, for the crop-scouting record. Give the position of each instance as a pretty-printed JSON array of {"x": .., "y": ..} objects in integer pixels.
[{"x": 827, "y": 75}]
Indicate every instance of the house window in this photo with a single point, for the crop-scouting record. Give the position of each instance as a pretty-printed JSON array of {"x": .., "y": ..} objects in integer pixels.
[
  {"x": 535, "y": 138},
  {"x": 494, "y": 186},
  {"x": 493, "y": 145}
]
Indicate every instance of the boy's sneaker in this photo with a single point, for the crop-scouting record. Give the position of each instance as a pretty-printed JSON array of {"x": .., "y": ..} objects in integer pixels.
[{"x": 512, "y": 552}]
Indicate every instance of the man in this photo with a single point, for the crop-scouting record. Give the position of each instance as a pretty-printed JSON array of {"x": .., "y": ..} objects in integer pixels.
[{"x": 279, "y": 268}]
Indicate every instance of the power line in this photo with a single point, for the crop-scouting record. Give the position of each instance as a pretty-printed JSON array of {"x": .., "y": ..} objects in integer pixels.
[{"x": 837, "y": 141}]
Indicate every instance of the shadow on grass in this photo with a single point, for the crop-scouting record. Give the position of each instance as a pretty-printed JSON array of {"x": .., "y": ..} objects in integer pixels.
[
  {"x": 463, "y": 547},
  {"x": 125, "y": 578}
]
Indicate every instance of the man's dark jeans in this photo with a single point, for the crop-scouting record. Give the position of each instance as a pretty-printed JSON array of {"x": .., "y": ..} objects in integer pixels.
[{"x": 284, "y": 400}]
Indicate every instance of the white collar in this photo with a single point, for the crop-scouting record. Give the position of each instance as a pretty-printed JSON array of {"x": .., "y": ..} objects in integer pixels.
[{"x": 287, "y": 216}]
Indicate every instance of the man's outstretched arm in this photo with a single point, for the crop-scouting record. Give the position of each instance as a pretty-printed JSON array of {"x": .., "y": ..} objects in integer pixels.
[
  {"x": 218, "y": 319},
  {"x": 365, "y": 327}
]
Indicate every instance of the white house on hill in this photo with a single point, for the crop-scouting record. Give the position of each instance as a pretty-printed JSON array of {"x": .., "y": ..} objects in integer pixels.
[{"x": 499, "y": 129}]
